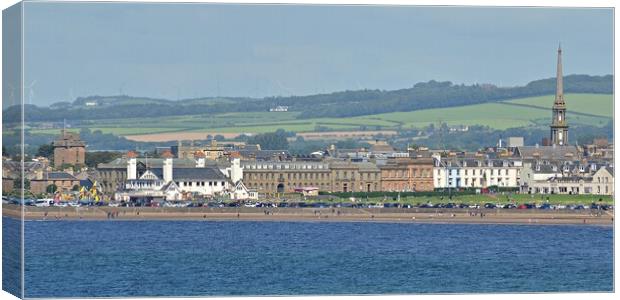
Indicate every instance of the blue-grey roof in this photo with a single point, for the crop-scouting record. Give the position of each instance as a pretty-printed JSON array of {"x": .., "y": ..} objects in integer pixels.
[
  {"x": 60, "y": 176},
  {"x": 192, "y": 174}
]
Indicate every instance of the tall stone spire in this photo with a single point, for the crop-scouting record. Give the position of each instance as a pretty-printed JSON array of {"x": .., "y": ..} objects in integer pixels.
[
  {"x": 559, "y": 126},
  {"x": 559, "y": 90}
]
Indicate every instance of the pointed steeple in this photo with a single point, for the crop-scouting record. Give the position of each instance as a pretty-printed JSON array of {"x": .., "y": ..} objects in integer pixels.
[
  {"x": 559, "y": 91},
  {"x": 559, "y": 126}
]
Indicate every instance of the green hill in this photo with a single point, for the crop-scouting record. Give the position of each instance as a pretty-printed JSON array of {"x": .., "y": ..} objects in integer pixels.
[{"x": 583, "y": 109}]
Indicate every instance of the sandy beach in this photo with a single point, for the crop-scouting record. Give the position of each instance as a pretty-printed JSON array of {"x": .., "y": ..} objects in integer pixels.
[{"x": 412, "y": 215}]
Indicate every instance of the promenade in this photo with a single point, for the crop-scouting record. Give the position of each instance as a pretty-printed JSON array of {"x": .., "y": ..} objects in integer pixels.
[{"x": 408, "y": 215}]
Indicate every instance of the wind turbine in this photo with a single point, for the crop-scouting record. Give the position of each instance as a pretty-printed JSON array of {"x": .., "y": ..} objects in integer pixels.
[
  {"x": 71, "y": 97},
  {"x": 30, "y": 91},
  {"x": 11, "y": 94}
]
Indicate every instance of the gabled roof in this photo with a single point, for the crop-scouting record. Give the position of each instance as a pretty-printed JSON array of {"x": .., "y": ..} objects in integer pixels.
[
  {"x": 59, "y": 176},
  {"x": 170, "y": 186}
]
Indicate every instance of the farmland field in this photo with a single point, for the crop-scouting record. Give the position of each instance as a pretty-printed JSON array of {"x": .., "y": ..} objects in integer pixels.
[
  {"x": 595, "y": 104},
  {"x": 588, "y": 109}
]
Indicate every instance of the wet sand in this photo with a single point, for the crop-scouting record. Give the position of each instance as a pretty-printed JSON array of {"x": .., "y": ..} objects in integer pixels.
[{"x": 412, "y": 215}]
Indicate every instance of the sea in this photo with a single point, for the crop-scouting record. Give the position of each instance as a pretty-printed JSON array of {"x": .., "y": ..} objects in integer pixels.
[{"x": 222, "y": 258}]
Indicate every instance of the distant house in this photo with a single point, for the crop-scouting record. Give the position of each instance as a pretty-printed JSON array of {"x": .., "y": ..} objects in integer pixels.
[
  {"x": 63, "y": 181},
  {"x": 241, "y": 192},
  {"x": 7, "y": 185},
  {"x": 279, "y": 108}
]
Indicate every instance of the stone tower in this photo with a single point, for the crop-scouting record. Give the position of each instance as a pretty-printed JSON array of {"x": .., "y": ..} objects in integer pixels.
[
  {"x": 69, "y": 150},
  {"x": 559, "y": 126}
]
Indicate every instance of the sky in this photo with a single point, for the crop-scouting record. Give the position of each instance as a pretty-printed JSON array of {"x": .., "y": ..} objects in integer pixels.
[{"x": 177, "y": 51}]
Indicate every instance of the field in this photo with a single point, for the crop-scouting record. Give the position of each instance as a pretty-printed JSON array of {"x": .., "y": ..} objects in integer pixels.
[
  {"x": 594, "y": 104},
  {"x": 590, "y": 109}
]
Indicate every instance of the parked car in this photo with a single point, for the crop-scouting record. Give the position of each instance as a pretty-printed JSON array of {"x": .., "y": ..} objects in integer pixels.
[
  {"x": 545, "y": 206},
  {"x": 490, "y": 205},
  {"x": 44, "y": 202}
]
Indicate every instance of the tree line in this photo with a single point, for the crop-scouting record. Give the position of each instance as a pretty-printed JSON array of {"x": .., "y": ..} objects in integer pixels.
[{"x": 432, "y": 94}]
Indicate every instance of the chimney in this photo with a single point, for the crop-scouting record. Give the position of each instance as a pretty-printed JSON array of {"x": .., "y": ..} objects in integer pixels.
[
  {"x": 236, "y": 172},
  {"x": 167, "y": 167},
  {"x": 200, "y": 159},
  {"x": 131, "y": 165}
]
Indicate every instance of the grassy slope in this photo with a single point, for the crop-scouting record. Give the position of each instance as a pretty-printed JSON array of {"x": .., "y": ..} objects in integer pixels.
[
  {"x": 496, "y": 115},
  {"x": 596, "y": 104}
]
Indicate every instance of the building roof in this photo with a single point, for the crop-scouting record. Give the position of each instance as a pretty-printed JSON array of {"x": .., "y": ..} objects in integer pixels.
[
  {"x": 264, "y": 154},
  {"x": 121, "y": 163},
  {"x": 192, "y": 174},
  {"x": 548, "y": 152},
  {"x": 58, "y": 176}
]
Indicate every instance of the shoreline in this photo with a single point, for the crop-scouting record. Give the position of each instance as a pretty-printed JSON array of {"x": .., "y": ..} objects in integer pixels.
[{"x": 378, "y": 215}]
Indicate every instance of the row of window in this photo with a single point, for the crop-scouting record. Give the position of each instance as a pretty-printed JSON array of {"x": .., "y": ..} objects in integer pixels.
[
  {"x": 311, "y": 176},
  {"x": 405, "y": 173},
  {"x": 286, "y": 167},
  {"x": 473, "y": 181},
  {"x": 200, "y": 183},
  {"x": 466, "y": 172}
]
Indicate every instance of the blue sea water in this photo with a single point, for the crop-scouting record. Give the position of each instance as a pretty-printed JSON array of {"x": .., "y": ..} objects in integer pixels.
[{"x": 193, "y": 258}]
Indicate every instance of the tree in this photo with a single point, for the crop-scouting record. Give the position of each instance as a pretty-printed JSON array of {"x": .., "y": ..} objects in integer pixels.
[
  {"x": 46, "y": 150},
  {"x": 17, "y": 184},
  {"x": 92, "y": 159},
  {"x": 52, "y": 188},
  {"x": 271, "y": 140},
  {"x": 75, "y": 188}
]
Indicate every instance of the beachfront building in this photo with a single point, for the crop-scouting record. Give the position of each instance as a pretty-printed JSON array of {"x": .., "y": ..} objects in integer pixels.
[
  {"x": 242, "y": 192},
  {"x": 407, "y": 175},
  {"x": 113, "y": 174},
  {"x": 567, "y": 177},
  {"x": 63, "y": 182},
  {"x": 453, "y": 172},
  {"x": 276, "y": 177},
  {"x": 180, "y": 183},
  {"x": 347, "y": 176}
]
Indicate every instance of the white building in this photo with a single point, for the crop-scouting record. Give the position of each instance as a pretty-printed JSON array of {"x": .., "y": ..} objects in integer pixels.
[
  {"x": 544, "y": 177},
  {"x": 476, "y": 173},
  {"x": 170, "y": 183}
]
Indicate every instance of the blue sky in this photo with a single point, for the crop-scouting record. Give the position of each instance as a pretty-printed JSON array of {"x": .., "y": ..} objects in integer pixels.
[{"x": 191, "y": 50}]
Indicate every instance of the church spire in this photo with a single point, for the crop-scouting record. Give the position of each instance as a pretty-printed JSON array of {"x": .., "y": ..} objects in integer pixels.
[
  {"x": 559, "y": 127},
  {"x": 559, "y": 90}
]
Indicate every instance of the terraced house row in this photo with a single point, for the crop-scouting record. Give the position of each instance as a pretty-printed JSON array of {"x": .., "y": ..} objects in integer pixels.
[{"x": 534, "y": 174}]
